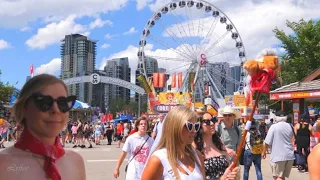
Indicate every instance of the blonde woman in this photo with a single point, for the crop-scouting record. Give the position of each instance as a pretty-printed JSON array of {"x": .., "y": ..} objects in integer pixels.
[
  {"x": 175, "y": 158},
  {"x": 42, "y": 108}
]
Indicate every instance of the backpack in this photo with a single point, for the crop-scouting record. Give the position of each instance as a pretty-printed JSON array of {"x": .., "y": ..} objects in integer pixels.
[{"x": 256, "y": 142}]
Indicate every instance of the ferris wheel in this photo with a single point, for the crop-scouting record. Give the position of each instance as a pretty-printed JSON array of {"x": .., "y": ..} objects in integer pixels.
[{"x": 196, "y": 38}]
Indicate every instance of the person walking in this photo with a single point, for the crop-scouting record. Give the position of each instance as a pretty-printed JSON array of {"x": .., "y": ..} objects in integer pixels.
[
  {"x": 303, "y": 130},
  {"x": 280, "y": 137},
  {"x": 253, "y": 150}
]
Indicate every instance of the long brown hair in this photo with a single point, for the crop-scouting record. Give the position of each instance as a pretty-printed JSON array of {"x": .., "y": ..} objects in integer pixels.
[
  {"x": 172, "y": 135},
  {"x": 33, "y": 85}
]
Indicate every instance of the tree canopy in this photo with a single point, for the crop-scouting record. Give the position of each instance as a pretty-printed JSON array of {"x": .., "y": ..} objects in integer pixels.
[
  {"x": 5, "y": 90},
  {"x": 302, "y": 50}
]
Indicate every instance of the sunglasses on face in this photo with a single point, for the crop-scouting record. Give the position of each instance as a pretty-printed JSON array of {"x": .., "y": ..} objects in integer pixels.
[
  {"x": 193, "y": 126},
  {"x": 208, "y": 121},
  {"x": 227, "y": 115},
  {"x": 45, "y": 102}
]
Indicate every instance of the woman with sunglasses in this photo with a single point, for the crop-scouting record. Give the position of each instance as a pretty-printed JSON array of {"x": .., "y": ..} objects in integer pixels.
[
  {"x": 175, "y": 157},
  {"x": 208, "y": 142},
  {"x": 42, "y": 108}
]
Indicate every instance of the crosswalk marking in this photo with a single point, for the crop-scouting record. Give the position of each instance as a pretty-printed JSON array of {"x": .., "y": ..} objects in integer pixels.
[
  {"x": 90, "y": 150},
  {"x": 105, "y": 160}
]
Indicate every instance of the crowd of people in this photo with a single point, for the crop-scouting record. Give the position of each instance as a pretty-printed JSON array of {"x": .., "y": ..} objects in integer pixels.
[{"x": 182, "y": 144}]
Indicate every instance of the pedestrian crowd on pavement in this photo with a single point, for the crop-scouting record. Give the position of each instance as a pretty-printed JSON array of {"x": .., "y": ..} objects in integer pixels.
[{"x": 181, "y": 144}]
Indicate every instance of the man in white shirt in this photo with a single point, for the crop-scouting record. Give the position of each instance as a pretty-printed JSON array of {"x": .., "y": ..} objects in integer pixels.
[
  {"x": 158, "y": 126},
  {"x": 280, "y": 137}
]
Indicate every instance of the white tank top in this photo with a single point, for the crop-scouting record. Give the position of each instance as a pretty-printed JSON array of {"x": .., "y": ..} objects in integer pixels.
[{"x": 167, "y": 169}]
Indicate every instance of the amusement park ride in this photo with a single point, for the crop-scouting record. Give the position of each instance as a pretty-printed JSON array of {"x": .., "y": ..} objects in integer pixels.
[
  {"x": 202, "y": 43},
  {"x": 201, "y": 49}
]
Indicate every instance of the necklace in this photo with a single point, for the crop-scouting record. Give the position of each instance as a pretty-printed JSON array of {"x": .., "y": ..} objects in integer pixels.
[{"x": 35, "y": 157}]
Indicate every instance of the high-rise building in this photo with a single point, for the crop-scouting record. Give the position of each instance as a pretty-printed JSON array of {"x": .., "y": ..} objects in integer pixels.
[
  {"x": 151, "y": 67},
  {"x": 117, "y": 68},
  {"x": 98, "y": 96},
  {"x": 78, "y": 55},
  {"x": 236, "y": 74},
  {"x": 233, "y": 80}
]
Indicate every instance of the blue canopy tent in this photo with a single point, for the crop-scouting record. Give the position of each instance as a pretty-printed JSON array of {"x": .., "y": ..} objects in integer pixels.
[
  {"x": 81, "y": 110},
  {"x": 123, "y": 118},
  {"x": 79, "y": 104}
]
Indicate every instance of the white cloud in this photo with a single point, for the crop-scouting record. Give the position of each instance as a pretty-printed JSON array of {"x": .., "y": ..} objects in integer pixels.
[
  {"x": 4, "y": 44},
  {"x": 105, "y": 46},
  {"x": 254, "y": 19},
  {"x": 158, "y": 4},
  {"x": 110, "y": 36},
  {"x": 53, "y": 67},
  {"x": 18, "y": 14},
  {"x": 98, "y": 23},
  {"x": 164, "y": 57},
  {"x": 54, "y": 32},
  {"x": 132, "y": 30},
  {"x": 24, "y": 29},
  {"x": 142, "y": 4}
]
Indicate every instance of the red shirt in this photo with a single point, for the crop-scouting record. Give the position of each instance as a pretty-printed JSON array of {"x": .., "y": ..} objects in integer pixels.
[
  {"x": 317, "y": 135},
  {"x": 132, "y": 131},
  {"x": 120, "y": 129}
]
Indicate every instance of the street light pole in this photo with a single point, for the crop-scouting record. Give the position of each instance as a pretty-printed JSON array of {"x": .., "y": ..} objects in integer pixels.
[{"x": 139, "y": 105}]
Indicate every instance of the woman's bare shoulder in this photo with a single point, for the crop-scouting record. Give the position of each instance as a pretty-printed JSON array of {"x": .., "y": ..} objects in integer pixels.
[{"x": 74, "y": 156}]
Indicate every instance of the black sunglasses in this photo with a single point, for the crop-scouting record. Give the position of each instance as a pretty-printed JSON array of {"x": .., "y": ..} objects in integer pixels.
[
  {"x": 227, "y": 115},
  {"x": 208, "y": 121},
  {"x": 45, "y": 102}
]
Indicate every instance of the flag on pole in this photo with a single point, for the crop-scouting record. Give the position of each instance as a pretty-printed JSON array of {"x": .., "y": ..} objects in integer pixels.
[
  {"x": 31, "y": 70},
  {"x": 173, "y": 80},
  {"x": 180, "y": 80}
]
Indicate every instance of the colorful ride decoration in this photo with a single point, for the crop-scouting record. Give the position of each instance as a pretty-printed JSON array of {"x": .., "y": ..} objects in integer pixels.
[
  {"x": 262, "y": 72},
  {"x": 163, "y": 102}
]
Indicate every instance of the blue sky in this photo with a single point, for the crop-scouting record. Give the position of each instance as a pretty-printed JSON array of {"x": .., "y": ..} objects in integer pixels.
[{"x": 30, "y": 34}]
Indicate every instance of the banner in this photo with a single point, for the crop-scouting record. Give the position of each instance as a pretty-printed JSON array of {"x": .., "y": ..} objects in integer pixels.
[
  {"x": 294, "y": 95},
  {"x": 167, "y": 101},
  {"x": 161, "y": 80},
  {"x": 239, "y": 100},
  {"x": 14, "y": 96},
  {"x": 180, "y": 80},
  {"x": 192, "y": 75},
  {"x": 173, "y": 80},
  {"x": 143, "y": 83},
  {"x": 155, "y": 80}
]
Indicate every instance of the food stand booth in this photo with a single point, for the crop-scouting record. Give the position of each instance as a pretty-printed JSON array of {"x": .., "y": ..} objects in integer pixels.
[{"x": 299, "y": 93}]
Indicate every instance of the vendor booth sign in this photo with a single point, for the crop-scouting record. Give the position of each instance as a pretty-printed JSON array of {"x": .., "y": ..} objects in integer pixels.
[{"x": 295, "y": 95}]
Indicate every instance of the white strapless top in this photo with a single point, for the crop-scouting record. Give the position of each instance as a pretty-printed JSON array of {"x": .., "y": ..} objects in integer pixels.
[{"x": 167, "y": 169}]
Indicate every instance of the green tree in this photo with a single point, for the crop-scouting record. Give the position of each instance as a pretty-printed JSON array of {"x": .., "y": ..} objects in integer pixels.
[
  {"x": 302, "y": 54},
  {"x": 117, "y": 105},
  {"x": 5, "y": 90}
]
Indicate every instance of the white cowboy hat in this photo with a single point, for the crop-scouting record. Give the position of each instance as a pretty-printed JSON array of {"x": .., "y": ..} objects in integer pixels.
[{"x": 230, "y": 110}]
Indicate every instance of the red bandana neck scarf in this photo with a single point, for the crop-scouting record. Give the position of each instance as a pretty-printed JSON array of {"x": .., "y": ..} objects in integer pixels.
[{"x": 51, "y": 153}]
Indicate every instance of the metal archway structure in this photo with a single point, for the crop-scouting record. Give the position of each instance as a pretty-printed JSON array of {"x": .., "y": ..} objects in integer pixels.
[{"x": 96, "y": 79}]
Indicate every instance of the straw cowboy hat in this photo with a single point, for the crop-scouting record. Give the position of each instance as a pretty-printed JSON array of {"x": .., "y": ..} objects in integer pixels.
[{"x": 230, "y": 110}]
